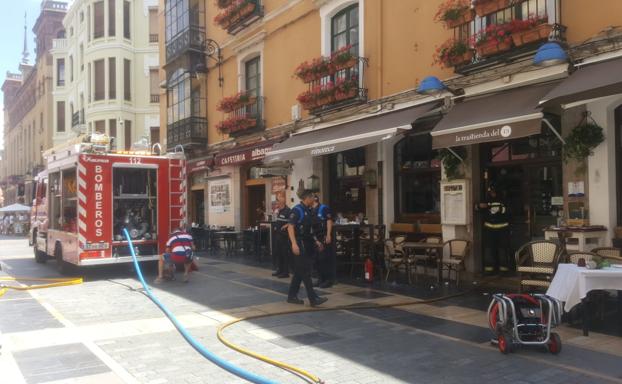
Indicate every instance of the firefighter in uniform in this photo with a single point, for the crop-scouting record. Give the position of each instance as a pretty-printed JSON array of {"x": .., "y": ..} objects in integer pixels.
[
  {"x": 282, "y": 249},
  {"x": 323, "y": 228},
  {"x": 496, "y": 234},
  {"x": 303, "y": 243}
]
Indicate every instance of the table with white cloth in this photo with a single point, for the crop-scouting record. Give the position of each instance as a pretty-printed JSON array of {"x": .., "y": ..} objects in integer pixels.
[{"x": 571, "y": 285}]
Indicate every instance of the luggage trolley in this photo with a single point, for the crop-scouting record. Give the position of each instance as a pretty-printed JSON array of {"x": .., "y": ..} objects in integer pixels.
[{"x": 524, "y": 319}]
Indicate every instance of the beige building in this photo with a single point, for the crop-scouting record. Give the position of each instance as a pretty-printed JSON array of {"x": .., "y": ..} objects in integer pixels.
[
  {"x": 28, "y": 108},
  {"x": 106, "y": 72}
]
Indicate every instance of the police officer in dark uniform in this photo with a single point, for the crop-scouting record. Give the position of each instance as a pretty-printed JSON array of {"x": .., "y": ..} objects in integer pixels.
[
  {"x": 304, "y": 243},
  {"x": 282, "y": 248},
  {"x": 496, "y": 233},
  {"x": 323, "y": 228}
]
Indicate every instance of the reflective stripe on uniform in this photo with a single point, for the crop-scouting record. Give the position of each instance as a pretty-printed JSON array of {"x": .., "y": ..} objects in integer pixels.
[{"x": 495, "y": 226}]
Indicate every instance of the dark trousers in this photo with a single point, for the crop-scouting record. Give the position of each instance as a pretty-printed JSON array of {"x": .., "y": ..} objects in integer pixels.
[
  {"x": 496, "y": 249},
  {"x": 283, "y": 254},
  {"x": 327, "y": 264},
  {"x": 303, "y": 264}
]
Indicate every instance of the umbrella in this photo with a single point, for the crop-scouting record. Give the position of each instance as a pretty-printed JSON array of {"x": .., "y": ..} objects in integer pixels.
[{"x": 15, "y": 208}]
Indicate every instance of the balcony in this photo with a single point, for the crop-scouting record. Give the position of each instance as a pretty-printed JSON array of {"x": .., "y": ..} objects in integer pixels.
[
  {"x": 496, "y": 32},
  {"x": 244, "y": 114},
  {"x": 78, "y": 123},
  {"x": 154, "y": 99},
  {"x": 237, "y": 15},
  {"x": 191, "y": 39},
  {"x": 189, "y": 132},
  {"x": 153, "y": 38},
  {"x": 334, "y": 83},
  {"x": 59, "y": 43}
]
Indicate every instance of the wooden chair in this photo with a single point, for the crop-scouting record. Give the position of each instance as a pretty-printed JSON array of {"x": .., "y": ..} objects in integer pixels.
[
  {"x": 459, "y": 250},
  {"x": 574, "y": 257},
  {"x": 393, "y": 257},
  {"x": 536, "y": 263}
]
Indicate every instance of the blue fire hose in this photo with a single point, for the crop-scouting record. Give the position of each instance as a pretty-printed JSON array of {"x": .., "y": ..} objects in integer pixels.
[{"x": 191, "y": 340}]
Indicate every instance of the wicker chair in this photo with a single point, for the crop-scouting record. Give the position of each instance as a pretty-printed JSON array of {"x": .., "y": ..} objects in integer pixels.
[
  {"x": 608, "y": 252},
  {"x": 427, "y": 254},
  {"x": 459, "y": 250},
  {"x": 536, "y": 263},
  {"x": 393, "y": 257},
  {"x": 587, "y": 256}
]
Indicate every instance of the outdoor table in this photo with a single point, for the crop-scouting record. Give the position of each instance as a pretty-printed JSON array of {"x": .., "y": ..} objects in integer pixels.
[
  {"x": 410, "y": 246},
  {"x": 571, "y": 285},
  {"x": 586, "y": 238},
  {"x": 230, "y": 238},
  {"x": 353, "y": 242}
]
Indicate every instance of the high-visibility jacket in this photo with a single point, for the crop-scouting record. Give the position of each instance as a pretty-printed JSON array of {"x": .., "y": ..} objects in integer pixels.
[{"x": 496, "y": 215}]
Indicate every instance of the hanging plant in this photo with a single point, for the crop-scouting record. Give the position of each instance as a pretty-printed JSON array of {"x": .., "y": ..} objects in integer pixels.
[
  {"x": 582, "y": 140},
  {"x": 451, "y": 163}
]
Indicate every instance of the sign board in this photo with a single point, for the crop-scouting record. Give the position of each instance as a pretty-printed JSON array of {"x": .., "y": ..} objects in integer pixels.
[
  {"x": 220, "y": 195},
  {"x": 241, "y": 156},
  {"x": 455, "y": 202}
]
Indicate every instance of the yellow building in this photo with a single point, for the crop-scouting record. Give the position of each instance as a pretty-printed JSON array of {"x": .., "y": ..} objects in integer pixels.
[
  {"x": 342, "y": 77},
  {"x": 28, "y": 108}
]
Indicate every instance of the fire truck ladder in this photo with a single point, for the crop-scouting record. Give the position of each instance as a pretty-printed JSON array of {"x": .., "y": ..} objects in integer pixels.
[{"x": 177, "y": 191}]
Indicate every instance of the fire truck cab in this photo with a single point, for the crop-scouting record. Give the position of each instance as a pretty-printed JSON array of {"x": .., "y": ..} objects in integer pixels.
[{"x": 87, "y": 194}]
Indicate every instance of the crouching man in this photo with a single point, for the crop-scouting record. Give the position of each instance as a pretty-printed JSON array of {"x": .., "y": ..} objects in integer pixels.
[{"x": 179, "y": 250}]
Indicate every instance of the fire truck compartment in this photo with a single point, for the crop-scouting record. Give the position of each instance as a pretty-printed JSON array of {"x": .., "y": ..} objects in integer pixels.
[{"x": 135, "y": 207}]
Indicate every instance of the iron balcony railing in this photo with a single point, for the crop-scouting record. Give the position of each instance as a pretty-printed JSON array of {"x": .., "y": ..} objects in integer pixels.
[
  {"x": 191, "y": 39},
  {"x": 250, "y": 111},
  {"x": 155, "y": 98},
  {"x": 189, "y": 132},
  {"x": 153, "y": 38},
  {"x": 252, "y": 11}
]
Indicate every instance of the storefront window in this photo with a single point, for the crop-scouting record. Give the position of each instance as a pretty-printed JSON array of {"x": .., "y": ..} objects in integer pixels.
[
  {"x": 418, "y": 176},
  {"x": 545, "y": 145},
  {"x": 347, "y": 186}
]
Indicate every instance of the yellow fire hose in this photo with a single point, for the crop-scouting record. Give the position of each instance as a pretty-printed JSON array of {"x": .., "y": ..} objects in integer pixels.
[
  {"x": 296, "y": 370},
  {"x": 52, "y": 282}
]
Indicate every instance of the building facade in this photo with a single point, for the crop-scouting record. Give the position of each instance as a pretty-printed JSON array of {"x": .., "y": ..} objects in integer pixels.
[
  {"x": 28, "y": 108},
  {"x": 106, "y": 72},
  {"x": 324, "y": 94}
]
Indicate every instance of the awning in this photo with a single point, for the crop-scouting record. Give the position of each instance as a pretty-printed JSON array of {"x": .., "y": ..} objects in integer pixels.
[
  {"x": 197, "y": 165},
  {"x": 15, "y": 208},
  {"x": 242, "y": 155},
  {"x": 348, "y": 135},
  {"x": 589, "y": 82},
  {"x": 501, "y": 116}
]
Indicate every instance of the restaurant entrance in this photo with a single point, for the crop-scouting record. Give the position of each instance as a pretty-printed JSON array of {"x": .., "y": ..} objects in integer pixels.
[{"x": 527, "y": 174}]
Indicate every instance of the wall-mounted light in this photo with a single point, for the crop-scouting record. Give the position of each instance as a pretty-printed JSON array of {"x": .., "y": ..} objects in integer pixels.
[
  {"x": 431, "y": 85},
  {"x": 371, "y": 178},
  {"x": 313, "y": 183},
  {"x": 550, "y": 54}
]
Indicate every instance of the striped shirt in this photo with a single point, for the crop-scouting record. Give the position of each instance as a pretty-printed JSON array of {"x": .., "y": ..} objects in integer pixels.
[{"x": 180, "y": 243}]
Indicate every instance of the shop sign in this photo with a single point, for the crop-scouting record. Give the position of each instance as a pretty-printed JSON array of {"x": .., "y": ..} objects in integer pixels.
[
  {"x": 201, "y": 165},
  {"x": 487, "y": 134},
  {"x": 245, "y": 156},
  {"x": 220, "y": 196}
]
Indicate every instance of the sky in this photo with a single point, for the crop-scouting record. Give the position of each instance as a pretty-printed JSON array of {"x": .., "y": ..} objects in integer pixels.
[{"x": 12, "y": 38}]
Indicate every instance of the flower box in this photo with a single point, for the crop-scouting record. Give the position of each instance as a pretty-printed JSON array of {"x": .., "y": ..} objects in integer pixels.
[
  {"x": 493, "y": 47},
  {"x": 465, "y": 17},
  {"x": 236, "y": 124},
  {"x": 247, "y": 10},
  {"x": 349, "y": 94},
  {"x": 486, "y": 7},
  {"x": 538, "y": 33},
  {"x": 347, "y": 64},
  {"x": 325, "y": 100},
  {"x": 461, "y": 59}
]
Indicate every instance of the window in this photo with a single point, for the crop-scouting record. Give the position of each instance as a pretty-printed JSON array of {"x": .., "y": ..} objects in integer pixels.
[
  {"x": 60, "y": 116},
  {"x": 345, "y": 29},
  {"x": 100, "y": 126},
  {"x": 127, "y": 93},
  {"x": 81, "y": 57},
  {"x": 112, "y": 78},
  {"x": 88, "y": 22},
  {"x": 154, "y": 135},
  {"x": 185, "y": 97},
  {"x": 126, "y": 19},
  {"x": 112, "y": 18},
  {"x": 71, "y": 68},
  {"x": 100, "y": 80},
  {"x": 154, "y": 86},
  {"x": 98, "y": 19},
  {"x": 153, "y": 25},
  {"x": 347, "y": 186},
  {"x": 127, "y": 132},
  {"x": 89, "y": 84},
  {"x": 60, "y": 72},
  {"x": 418, "y": 174},
  {"x": 253, "y": 77},
  {"x": 176, "y": 18},
  {"x": 112, "y": 132}
]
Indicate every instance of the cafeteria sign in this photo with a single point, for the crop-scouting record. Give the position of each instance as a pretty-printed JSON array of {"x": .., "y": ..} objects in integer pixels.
[{"x": 243, "y": 156}]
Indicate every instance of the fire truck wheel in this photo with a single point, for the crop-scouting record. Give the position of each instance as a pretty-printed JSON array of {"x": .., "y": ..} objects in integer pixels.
[{"x": 61, "y": 265}]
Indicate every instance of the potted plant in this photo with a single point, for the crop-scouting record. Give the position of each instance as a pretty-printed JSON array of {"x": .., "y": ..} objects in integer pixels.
[
  {"x": 343, "y": 58},
  {"x": 581, "y": 142},
  {"x": 486, "y": 7},
  {"x": 247, "y": 8},
  {"x": 494, "y": 39},
  {"x": 318, "y": 68},
  {"x": 454, "y": 13},
  {"x": 453, "y": 53},
  {"x": 231, "y": 103},
  {"x": 346, "y": 88},
  {"x": 451, "y": 163},
  {"x": 235, "y": 124},
  {"x": 530, "y": 30},
  {"x": 325, "y": 94},
  {"x": 308, "y": 100}
]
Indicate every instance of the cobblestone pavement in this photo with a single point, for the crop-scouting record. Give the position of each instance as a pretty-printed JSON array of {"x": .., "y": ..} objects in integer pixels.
[{"x": 107, "y": 331}]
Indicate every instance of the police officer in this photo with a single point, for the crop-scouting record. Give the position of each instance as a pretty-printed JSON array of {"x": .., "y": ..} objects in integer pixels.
[
  {"x": 496, "y": 233},
  {"x": 304, "y": 243},
  {"x": 323, "y": 229},
  {"x": 281, "y": 246}
]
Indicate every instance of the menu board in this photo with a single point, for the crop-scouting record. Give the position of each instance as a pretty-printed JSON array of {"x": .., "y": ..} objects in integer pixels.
[
  {"x": 220, "y": 196},
  {"x": 454, "y": 202}
]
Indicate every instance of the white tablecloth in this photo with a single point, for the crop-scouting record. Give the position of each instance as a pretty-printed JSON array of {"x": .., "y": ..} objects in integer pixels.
[{"x": 571, "y": 283}]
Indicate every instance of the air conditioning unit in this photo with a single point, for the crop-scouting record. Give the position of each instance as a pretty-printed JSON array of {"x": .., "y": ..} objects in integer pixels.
[{"x": 296, "y": 112}]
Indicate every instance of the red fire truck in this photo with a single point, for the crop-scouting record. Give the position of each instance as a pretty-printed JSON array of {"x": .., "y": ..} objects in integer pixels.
[{"x": 87, "y": 194}]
